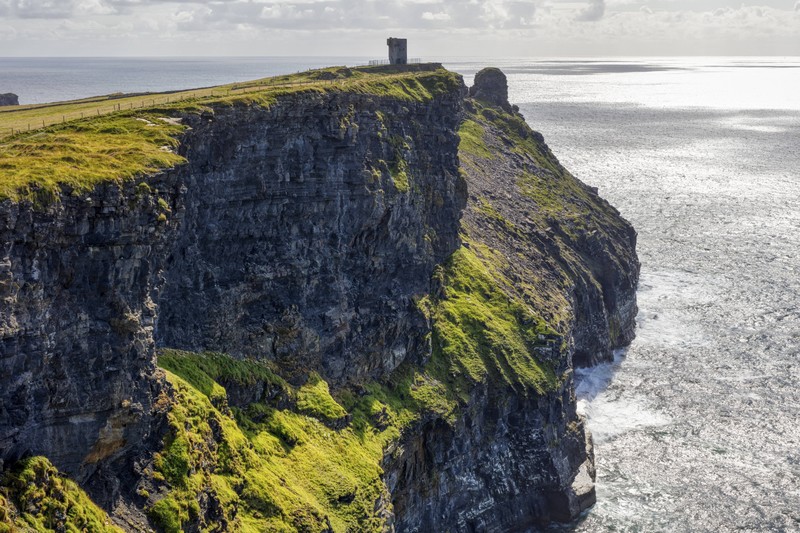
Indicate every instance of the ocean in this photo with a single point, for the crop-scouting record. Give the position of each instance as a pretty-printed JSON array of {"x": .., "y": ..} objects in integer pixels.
[{"x": 697, "y": 423}]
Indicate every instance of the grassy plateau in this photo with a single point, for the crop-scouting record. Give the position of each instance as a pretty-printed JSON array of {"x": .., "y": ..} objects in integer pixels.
[{"x": 85, "y": 142}]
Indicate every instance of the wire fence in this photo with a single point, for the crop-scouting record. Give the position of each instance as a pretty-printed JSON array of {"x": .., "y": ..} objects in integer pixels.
[
  {"x": 382, "y": 62},
  {"x": 24, "y": 124}
]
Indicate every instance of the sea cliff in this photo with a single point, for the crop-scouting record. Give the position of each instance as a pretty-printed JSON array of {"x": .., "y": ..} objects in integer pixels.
[{"x": 353, "y": 302}]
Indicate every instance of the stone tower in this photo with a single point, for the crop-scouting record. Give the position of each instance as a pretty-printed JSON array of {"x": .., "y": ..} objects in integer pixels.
[{"x": 398, "y": 51}]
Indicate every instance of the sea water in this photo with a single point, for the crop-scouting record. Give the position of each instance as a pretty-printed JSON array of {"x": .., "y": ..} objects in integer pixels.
[{"x": 697, "y": 423}]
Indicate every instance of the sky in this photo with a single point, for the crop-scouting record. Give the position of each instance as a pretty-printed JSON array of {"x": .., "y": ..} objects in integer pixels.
[{"x": 435, "y": 28}]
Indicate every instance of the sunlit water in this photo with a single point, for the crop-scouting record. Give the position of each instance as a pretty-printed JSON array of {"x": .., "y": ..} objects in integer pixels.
[{"x": 697, "y": 424}]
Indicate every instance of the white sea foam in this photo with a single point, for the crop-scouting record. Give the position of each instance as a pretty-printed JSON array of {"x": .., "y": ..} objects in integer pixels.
[{"x": 610, "y": 413}]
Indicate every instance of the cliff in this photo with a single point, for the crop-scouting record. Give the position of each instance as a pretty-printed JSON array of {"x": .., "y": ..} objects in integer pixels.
[
  {"x": 368, "y": 290},
  {"x": 8, "y": 99}
]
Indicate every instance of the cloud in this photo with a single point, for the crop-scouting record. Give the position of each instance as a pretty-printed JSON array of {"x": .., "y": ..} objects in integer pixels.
[
  {"x": 435, "y": 16},
  {"x": 360, "y": 14},
  {"x": 41, "y": 9},
  {"x": 594, "y": 11},
  {"x": 436, "y": 27}
]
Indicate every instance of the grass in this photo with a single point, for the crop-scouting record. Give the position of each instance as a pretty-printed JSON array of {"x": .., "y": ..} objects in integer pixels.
[
  {"x": 472, "y": 141},
  {"x": 128, "y": 136},
  {"x": 279, "y": 465},
  {"x": 482, "y": 332},
  {"x": 82, "y": 154},
  {"x": 45, "y": 501},
  {"x": 273, "y": 469},
  {"x": 314, "y": 399},
  {"x": 399, "y": 174}
]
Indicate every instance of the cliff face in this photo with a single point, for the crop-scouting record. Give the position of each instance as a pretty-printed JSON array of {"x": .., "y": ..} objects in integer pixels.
[
  {"x": 512, "y": 462},
  {"x": 401, "y": 285},
  {"x": 516, "y": 460},
  {"x": 79, "y": 284},
  {"x": 307, "y": 228}
]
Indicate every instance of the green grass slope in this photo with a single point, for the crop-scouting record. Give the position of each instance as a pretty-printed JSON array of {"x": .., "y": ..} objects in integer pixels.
[{"x": 35, "y": 497}]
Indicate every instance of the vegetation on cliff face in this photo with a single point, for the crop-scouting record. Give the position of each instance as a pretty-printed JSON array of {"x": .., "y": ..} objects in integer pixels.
[
  {"x": 482, "y": 332},
  {"x": 300, "y": 459},
  {"x": 115, "y": 145},
  {"x": 276, "y": 464},
  {"x": 272, "y": 465},
  {"x": 35, "y": 497}
]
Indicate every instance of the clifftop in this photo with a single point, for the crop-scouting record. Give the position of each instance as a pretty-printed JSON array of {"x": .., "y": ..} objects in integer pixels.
[{"x": 117, "y": 137}]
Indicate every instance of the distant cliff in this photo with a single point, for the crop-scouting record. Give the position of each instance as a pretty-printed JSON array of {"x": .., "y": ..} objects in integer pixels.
[
  {"x": 368, "y": 292},
  {"x": 9, "y": 99}
]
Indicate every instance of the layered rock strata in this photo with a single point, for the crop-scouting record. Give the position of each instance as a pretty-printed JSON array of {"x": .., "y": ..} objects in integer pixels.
[{"x": 307, "y": 228}]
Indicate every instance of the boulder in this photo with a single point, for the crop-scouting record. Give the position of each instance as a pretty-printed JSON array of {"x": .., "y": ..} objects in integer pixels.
[{"x": 491, "y": 86}]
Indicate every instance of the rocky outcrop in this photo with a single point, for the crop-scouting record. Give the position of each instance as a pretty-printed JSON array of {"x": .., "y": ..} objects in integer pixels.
[
  {"x": 9, "y": 99},
  {"x": 491, "y": 86}
]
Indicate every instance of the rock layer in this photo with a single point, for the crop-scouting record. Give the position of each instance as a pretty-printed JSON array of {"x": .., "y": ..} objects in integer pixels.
[{"x": 79, "y": 283}]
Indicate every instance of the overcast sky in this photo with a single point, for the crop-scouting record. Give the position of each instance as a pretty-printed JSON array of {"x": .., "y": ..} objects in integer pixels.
[{"x": 435, "y": 28}]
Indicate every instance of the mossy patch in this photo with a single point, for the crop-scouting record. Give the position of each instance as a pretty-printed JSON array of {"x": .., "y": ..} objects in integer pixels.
[
  {"x": 483, "y": 332},
  {"x": 472, "y": 141},
  {"x": 280, "y": 468},
  {"x": 43, "y": 500},
  {"x": 314, "y": 399},
  {"x": 399, "y": 173}
]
